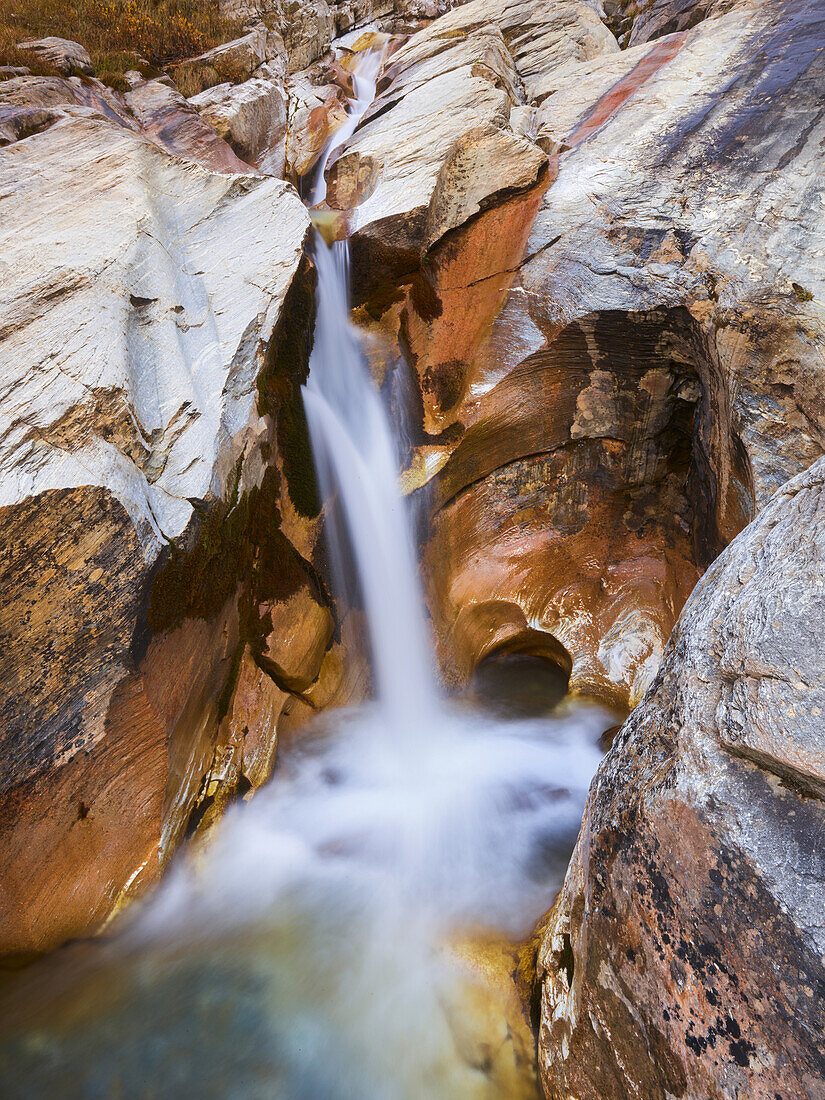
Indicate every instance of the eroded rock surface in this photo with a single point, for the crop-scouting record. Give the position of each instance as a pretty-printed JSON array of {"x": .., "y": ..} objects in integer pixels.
[
  {"x": 137, "y": 448},
  {"x": 69, "y": 58},
  {"x": 601, "y": 416},
  {"x": 685, "y": 954},
  {"x": 252, "y": 118}
]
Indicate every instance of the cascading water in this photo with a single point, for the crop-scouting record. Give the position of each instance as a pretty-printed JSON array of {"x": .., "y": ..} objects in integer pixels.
[
  {"x": 355, "y": 457},
  {"x": 364, "y": 80},
  {"x": 303, "y": 954}
]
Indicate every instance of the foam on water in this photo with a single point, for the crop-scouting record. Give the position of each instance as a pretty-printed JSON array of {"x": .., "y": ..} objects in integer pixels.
[{"x": 302, "y": 953}]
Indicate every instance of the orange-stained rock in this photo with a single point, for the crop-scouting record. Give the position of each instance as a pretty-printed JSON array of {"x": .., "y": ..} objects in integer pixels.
[
  {"x": 94, "y": 824},
  {"x": 297, "y": 631},
  {"x": 139, "y": 484},
  {"x": 577, "y": 503},
  {"x": 251, "y": 723},
  {"x": 489, "y": 1021},
  {"x": 314, "y": 116},
  {"x": 684, "y": 956},
  {"x": 469, "y": 273}
]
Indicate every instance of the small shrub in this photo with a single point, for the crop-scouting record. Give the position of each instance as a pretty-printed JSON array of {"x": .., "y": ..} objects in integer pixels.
[
  {"x": 115, "y": 32},
  {"x": 11, "y": 55}
]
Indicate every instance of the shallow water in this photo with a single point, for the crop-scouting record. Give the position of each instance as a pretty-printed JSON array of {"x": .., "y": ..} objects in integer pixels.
[{"x": 302, "y": 954}]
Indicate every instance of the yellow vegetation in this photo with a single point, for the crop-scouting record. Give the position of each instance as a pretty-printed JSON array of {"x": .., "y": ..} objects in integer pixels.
[{"x": 115, "y": 32}]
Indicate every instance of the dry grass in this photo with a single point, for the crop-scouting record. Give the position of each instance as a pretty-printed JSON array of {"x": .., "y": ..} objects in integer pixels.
[{"x": 114, "y": 31}]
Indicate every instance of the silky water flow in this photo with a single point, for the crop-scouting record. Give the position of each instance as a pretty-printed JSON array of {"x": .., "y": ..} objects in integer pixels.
[{"x": 304, "y": 952}]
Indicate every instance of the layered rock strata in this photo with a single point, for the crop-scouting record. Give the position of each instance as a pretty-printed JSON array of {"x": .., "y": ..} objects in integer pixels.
[
  {"x": 600, "y": 416},
  {"x": 163, "y": 617},
  {"x": 683, "y": 957}
]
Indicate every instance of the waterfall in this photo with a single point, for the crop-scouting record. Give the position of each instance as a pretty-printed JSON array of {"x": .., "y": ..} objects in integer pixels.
[
  {"x": 364, "y": 79},
  {"x": 355, "y": 458},
  {"x": 356, "y": 463},
  {"x": 308, "y": 950}
]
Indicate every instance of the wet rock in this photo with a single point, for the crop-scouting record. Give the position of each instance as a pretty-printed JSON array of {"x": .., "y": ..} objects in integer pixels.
[
  {"x": 136, "y": 476},
  {"x": 651, "y": 241},
  {"x": 69, "y": 58},
  {"x": 437, "y": 144},
  {"x": 685, "y": 954},
  {"x": 566, "y": 511},
  {"x": 315, "y": 113},
  {"x": 251, "y": 724},
  {"x": 297, "y": 631},
  {"x": 489, "y": 1020}
]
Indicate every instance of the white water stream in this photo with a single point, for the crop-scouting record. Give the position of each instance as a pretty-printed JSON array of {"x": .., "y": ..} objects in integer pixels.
[
  {"x": 302, "y": 954},
  {"x": 355, "y": 458}
]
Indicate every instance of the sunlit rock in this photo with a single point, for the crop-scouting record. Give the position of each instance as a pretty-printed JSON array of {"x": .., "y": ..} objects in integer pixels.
[
  {"x": 296, "y": 633},
  {"x": 130, "y": 427}
]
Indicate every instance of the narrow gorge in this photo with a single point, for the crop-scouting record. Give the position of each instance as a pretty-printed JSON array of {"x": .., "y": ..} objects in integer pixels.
[{"x": 411, "y": 435}]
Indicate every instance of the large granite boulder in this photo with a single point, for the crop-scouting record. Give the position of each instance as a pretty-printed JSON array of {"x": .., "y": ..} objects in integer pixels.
[
  {"x": 251, "y": 117},
  {"x": 67, "y": 57},
  {"x": 684, "y": 956},
  {"x": 153, "y": 320},
  {"x": 306, "y": 26}
]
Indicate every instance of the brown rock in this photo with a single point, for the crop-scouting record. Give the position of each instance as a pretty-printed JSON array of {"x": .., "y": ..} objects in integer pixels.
[
  {"x": 297, "y": 631},
  {"x": 684, "y": 956},
  {"x": 252, "y": 720},
  {"x": 138, "y": 490},
  {"x": 638, "y": 243}
]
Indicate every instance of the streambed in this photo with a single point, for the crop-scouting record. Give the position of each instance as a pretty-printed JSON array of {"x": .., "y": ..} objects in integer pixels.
[{"x": 305, "y": 952}]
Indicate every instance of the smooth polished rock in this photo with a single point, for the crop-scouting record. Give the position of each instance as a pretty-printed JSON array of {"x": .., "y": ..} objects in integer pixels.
[
  {"x": 651, "y": 213},
  {"x": 130, "y": 426},
  {"x": 251, "y": 117},
  {"x": 69, "y": 58}
]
